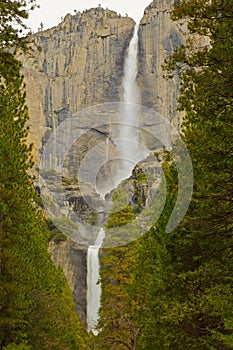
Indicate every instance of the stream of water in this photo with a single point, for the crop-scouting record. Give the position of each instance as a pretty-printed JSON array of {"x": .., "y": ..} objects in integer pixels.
[
  {"x": 93, "y": 288},
  {"x": 129, "y": 155}
]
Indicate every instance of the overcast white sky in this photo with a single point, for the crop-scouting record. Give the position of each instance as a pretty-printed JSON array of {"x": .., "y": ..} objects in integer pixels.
[{"x": 51, "y": 11}]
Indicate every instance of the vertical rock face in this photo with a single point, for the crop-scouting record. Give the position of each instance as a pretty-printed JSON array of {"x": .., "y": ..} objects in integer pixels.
[
  {"x": 72, "y": 259},
  {"x": 72, "y": 66},
  {"x": 159, "y": 36}
]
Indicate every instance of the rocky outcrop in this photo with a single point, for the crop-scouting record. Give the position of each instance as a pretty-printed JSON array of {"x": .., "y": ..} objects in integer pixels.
[
  {"x": 142, "y": 195},
  {"x": 72, "y": 66},
  {"x": 75, "y": 208},
  {"x": 72, "y": 259},
  {"x": 159, "y": 36}
]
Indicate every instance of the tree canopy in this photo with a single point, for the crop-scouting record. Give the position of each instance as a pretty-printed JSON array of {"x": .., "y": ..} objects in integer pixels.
[
  {"x": 36, "y": 305},
  {"x": 182, "y": 281}
]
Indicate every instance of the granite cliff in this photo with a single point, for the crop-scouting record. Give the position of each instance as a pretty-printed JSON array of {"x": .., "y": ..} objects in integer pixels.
[
  {"x": 72, "y": 66},
  {"x": 71, "y": 257},
  {"x": 159, "y": 36},
  {"x": 79, "y": 64}
]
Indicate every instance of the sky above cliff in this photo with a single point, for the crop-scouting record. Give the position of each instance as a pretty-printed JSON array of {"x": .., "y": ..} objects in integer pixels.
[{"x": 51, "y": 11}]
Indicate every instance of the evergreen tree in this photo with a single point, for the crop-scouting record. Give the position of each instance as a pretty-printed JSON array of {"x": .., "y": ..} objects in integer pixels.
[
  {"x": 117, "y": 310},
  {"x": 36, "y": 306},
  {"x": 182, "y": 282},
  {"x": 189, "y": 291}
]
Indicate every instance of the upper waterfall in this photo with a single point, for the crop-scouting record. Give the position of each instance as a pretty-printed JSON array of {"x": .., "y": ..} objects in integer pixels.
[
  {"x": 131, "y": 92},
  {"x": 130, "y": 149}
]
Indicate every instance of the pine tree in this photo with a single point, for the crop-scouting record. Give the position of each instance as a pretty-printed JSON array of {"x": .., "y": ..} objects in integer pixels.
[
  {"x": 189, "y": 292},
  {"x": 116, "y": 313},
  {"x": 182, "y": 281},
  {"x": 36, "y": 306}
]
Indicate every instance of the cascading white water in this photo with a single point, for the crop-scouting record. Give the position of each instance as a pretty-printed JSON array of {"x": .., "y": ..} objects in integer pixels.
[
  {"x": 93, "y": 289},
  {"x": 130, "y": 151},
  {"x": 130, "y": 93},
  {"x": 129, "y": 154}
]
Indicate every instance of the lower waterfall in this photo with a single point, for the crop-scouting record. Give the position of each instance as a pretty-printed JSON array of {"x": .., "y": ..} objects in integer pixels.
[
  {"x": 129, "y": 154},
  {"x": 93, "y": 289}
]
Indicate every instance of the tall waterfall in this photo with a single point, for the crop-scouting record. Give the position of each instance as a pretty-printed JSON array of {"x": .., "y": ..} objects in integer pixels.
[
  {"x": 130, "y": 151},
  {"x": 130, "y": 91},
  {"x": 129, "y": 154}
]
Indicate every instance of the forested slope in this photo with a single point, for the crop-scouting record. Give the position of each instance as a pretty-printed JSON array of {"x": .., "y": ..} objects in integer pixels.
[
  {"x": 36, "y": 305},
  {"x": 175, "y": 290}
]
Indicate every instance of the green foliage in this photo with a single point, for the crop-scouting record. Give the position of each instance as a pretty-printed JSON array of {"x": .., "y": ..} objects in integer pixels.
[
  {"x": 122, "y": 213},
  {"x": 12, "y": 16},
  {"x": 116, "y": 312},
  {"x": 55, "y": 235},
  {"x": 175, "y": 289},
  {"x": 17, "y": 347},
  {"x": 93, "y": 219},
  {"x": 66, "y": 181},
  {"x": 188, "y": 293},
  {"x": 36, "y": 306},
  {"x": 65, "y": 225}
]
